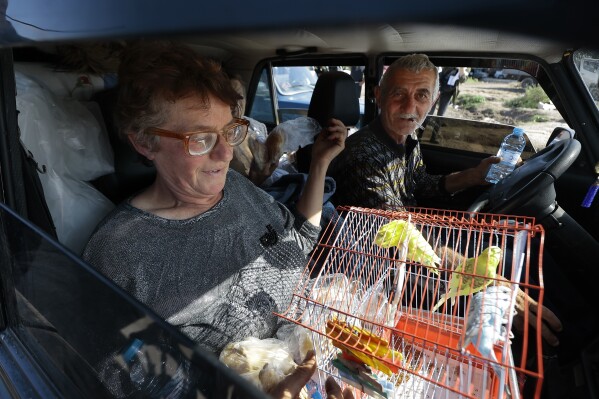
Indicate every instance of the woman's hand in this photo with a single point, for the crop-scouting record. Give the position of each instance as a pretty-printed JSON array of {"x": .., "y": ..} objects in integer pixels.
[
  {"x": 291, "y": 386},
  {"x": 329, "y": 142},
  {"x": 334, "y": 390}
]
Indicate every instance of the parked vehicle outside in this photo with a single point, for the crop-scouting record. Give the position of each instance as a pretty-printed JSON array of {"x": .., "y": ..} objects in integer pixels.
[
  {"x": 515, "y": 74},
  {"x": 589, "y": 72},
  {"x": 478, "y": 73}
]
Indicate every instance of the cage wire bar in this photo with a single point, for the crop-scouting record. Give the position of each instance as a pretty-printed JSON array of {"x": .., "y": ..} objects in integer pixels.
[{"x": 372, "y": 294}]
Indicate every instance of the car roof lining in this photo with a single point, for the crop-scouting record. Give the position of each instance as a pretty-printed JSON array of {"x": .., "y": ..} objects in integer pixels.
[{"x": 403, "y": 38}]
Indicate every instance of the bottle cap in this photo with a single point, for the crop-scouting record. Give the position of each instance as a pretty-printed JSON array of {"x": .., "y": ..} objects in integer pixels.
[{"x": 518, "y": 131}]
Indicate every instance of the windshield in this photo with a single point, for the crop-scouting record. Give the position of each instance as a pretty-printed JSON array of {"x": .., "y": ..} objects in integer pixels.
[{"x": 587, "y": 64}]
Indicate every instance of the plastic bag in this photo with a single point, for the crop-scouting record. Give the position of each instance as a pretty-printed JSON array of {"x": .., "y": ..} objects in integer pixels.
[
  {"x": 298, "y": 132},
  {"x": 298, "y": 340},
  {"x": 76, "y": 208},
  {"x": 62, "y": 133},
  {"x": 257, "y": 129},
  {"x": 375, "y": 306},
  {"x": 284, "y": 167},
  {"x": 67, "y": 140},
  {"x": 265, "y": 153},
  {"x": 79, "y": 85},
  {"x": 250, "y": 356},
  {"x": 252, "y": 149},
  {"x": 337, "y": 292}
]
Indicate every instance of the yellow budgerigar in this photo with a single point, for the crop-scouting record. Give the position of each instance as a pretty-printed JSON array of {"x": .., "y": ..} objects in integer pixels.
[
  {"x": 462, "y": 284},
  {"x": 396, "y": 232}
]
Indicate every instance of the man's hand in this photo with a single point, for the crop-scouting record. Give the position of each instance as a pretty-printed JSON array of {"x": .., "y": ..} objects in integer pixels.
[
  {"x": 291, "y": 386},
  {"x": 467, "y": 178},
  {"x": 550, "y": 324},
  {"x": 480, "y": 171},
  {"x": 334, "y": 390}
]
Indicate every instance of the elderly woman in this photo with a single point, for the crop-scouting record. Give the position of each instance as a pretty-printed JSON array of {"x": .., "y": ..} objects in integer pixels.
[{"x": 205, "y": 248}]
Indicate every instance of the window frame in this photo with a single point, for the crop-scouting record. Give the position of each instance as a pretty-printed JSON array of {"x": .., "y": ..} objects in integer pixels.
[{"x": 73, "y": 372}]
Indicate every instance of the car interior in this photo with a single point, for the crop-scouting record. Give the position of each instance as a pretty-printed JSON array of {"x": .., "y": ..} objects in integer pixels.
[
  {"x": 76, "y": 169},
  {"x": 334, "y": 95}
]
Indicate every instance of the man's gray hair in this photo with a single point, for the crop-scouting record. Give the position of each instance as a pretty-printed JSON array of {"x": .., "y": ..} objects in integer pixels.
[{"x": 413, "y": 63}]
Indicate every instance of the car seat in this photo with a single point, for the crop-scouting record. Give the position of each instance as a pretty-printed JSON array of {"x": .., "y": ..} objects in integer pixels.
[
  {"x": 131, "y": 173},
  {"x": 335, "y": 96}
]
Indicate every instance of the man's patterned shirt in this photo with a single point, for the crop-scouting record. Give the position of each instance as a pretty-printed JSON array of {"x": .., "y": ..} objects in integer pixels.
[{"x": 375, "y": 172}]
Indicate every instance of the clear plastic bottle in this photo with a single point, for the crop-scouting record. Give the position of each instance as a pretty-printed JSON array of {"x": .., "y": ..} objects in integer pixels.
[{"x": 510, "y": 150}]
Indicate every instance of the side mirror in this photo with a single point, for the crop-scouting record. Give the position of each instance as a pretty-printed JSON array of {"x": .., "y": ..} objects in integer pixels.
[{"x": 560, "y": 133}]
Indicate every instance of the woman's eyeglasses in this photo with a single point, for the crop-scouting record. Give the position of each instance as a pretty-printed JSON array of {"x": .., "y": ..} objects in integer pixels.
[{"x": 200, "y": 143}]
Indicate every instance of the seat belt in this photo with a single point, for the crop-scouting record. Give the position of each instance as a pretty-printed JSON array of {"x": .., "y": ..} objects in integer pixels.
[{"x": 37, "y": 208}]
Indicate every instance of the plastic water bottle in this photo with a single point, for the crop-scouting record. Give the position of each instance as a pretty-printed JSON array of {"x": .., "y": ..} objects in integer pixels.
[{"x": 510, "y": 150}]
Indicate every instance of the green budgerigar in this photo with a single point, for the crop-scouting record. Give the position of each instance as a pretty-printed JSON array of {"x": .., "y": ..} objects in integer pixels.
[
  {"x": 462, "y": 284},
  {"x": 396, "y": 232}
]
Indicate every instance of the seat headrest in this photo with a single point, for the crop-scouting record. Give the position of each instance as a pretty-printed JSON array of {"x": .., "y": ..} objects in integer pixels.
[
  {"x": 130, "y": 174},
  {"x": 335, "y": 96}
]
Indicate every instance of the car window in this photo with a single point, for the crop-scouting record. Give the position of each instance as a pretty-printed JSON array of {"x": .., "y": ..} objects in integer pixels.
[
  {"x": 262, "y": 104},
  {"x": 488, "y": 104},
  {"x": 587, "y": 64},
  {"x": 485, "y": 105},
  {"x": 294, "y": 80},
  {"x": 294, "y": 87},
  {"x": 288, "y": 95},
  {"x": 73, "y": 320}
]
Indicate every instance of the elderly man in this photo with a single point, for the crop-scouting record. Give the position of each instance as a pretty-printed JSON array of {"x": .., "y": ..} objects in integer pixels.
[{"x": 381, "y": 166}]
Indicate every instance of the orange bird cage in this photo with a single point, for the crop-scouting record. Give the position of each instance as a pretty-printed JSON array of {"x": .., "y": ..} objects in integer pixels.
[{"x": 421, "y": 303}]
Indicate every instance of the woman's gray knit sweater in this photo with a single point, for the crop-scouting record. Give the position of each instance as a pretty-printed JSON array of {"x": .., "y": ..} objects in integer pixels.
[{"x": 217, "y": 276}]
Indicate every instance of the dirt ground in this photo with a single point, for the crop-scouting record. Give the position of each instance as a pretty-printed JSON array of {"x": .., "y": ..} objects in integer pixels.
[{"x": 496, "y": 92}]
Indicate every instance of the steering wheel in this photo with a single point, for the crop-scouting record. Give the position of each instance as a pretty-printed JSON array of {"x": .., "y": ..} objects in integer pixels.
[{"x": 529, "y": 189}]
